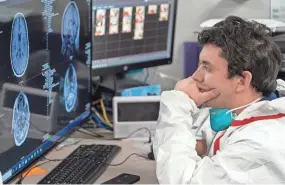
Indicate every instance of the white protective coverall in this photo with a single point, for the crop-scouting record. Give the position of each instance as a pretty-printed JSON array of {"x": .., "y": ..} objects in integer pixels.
[{"x": 250, "y": 153}]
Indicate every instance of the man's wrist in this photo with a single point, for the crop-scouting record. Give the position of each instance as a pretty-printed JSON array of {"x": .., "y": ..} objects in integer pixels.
[{"x": 180, "y": 99}]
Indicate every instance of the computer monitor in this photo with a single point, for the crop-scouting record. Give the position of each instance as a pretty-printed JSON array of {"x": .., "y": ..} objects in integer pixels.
[
  {"x": 132, "y": 34},
  {"x": 45, "y": 57}
]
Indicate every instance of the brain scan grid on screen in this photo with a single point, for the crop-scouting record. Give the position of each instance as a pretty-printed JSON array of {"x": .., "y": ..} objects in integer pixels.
[{"x": 19, "y": 60}]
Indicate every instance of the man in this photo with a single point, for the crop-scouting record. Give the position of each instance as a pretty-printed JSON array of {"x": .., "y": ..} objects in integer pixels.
[{"x": 241, "y": 129}]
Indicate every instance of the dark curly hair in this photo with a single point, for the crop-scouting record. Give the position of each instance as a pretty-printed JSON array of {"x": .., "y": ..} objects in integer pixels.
[{"x": 247, "y": 46}]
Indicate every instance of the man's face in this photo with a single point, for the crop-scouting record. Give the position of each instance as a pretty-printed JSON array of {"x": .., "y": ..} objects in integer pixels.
[{"x": 212, "y": 73}]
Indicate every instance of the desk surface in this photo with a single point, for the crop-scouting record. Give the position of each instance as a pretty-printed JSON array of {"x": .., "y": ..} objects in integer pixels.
[{"x": 134, "y": 165}]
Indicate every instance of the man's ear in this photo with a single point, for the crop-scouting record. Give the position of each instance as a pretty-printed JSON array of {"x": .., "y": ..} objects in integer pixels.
[{"x": 244, "y": 81}]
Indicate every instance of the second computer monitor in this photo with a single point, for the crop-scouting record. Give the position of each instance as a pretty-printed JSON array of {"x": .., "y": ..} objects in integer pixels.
[
  {"x": 130, "y": 34},
  {"x": 44, "y": 77}
]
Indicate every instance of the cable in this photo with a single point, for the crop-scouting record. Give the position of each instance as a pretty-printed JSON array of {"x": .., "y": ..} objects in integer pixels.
[
  {"x": 147, "y": 75},
  {"x": 37, "y": 129},
  {"x": 100, "y": 136},
  {"x": 152, "y": 76},
  {"x": 53, "y": 160},
  {"x": 93, "y": 134},
  {"x": 38, "y": 165},
  {"x": 60, "y": 160},
  {"x": 143, "y": 128},
  {"x": 20, "y": 181},
  {"x": 72, "y": 144},
  {"x": 96, "y": 135},
  {"x": 96, "y": 87},
  {"x": 101, "y": 120},
  {"x": 104, "y": 112},
  {"x": 115, "y": 83},
  {"x": 118, "y": 164},
  {"x": 96, "y": 101}
]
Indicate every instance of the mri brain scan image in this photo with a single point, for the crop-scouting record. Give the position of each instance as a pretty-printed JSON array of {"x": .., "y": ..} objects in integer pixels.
[
  {"x": 21, "y": 119},
  {"x": 70, "y": 88},
  {"x": 70, "y": 31},
  {"x": 19, "y": 46}
]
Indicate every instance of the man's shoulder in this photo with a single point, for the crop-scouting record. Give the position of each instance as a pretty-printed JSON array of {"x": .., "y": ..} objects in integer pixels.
[{"x": 267, "y": 133}]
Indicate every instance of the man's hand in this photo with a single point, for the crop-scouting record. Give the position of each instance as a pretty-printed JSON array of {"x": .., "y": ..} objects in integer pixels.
[
  {"x": 201, "y": 147},
  {"x": 189, "y": 86}
]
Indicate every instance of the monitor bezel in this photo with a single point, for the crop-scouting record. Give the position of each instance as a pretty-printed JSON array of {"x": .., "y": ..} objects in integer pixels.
[
  {"x": 112, "y": 70},
  {"x": 68, "y": 129}
]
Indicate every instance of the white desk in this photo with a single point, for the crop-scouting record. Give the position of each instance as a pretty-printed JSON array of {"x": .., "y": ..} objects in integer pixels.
[{"x": 134, "y": 165}]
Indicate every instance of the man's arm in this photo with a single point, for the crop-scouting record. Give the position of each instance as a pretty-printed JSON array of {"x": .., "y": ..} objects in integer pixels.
[
  {"x": 174, "y": 144},
  {"x": 200, "y": 128},
  {"x": 177, "y": 161}
]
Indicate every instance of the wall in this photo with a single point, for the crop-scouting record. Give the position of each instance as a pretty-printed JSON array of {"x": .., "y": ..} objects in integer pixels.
[{"x": 192, "y": 12}]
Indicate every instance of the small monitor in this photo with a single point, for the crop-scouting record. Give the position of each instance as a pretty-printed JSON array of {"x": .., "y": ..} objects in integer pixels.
[
  {"x": 44, "y": 77},
  {"x": 130, "y": 34}
]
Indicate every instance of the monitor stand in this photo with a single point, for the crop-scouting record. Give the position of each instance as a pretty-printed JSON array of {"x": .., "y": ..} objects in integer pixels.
[
  {"x": 118, "y": 83},
  {"x": 109, "y": 86}
]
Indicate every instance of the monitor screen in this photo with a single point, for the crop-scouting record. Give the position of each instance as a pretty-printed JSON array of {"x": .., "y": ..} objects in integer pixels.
[
  {"x": 132, "y": 33},
  {"x": 45, "y": 57}
]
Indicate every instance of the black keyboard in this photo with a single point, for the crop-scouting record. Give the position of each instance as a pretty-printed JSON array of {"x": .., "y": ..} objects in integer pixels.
[{"x": 83, "y": 166}]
